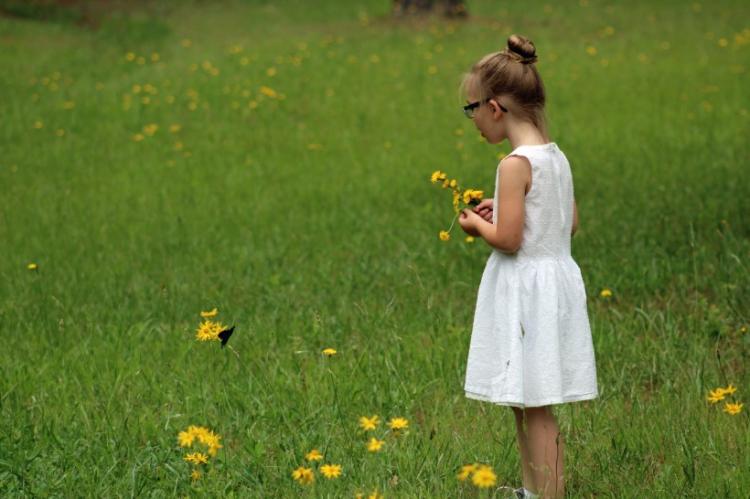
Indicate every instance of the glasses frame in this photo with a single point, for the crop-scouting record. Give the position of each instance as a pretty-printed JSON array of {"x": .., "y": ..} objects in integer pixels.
[{"x": 470, "y": 108}]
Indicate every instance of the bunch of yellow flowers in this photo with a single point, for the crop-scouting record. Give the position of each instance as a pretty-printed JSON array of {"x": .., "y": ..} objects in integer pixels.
[
  {"x": 209, "y": 330},
  {"x": 481, "y": 475},
  {"x": 306, "y": 476},
  {"x": 398, "y": 426},
  {"x": 467, "y": 197},
  {"x": 204, "y": 436},
  {"x": 720, "y": 393}
]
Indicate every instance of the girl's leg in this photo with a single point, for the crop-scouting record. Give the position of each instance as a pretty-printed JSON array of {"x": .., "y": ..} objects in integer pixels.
[
  {"x": 546, "y": 448},
  {"x": 523, "y": 447}
]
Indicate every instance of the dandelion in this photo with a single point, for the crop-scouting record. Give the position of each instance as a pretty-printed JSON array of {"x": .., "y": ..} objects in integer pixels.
[
  {"x": 591, "y": 50},
  {"x": 329, "y": 352},
  {"x": 466, "y": 471},
  {"x": 32, "y": 266},
  {"x": 195, "y": 475},
  {"x": 150, "y": 129},
  {"x": 210, "y": 313},
  {"x": 374, "y": 445},
  {"x": 331, "y": 470},
  {"x": 130, "y": 57},
  {"x": 369, "y": 423},
  {"x": 470, "y": 195},
  {"x": 271, "y": 71},
  {"x": 209, "y": 331},
  {"x": 196, "y": 458},
  {"x": 303, "y": 475},
  {"x": 732, "y": 408},
  {"x": 469, "y": 239},
  {"x": 484, "y": 477},
  {"x": 398, "y": 423},
  {"x": 314, "y": 455},
  {"x": 606, "y": 293}
]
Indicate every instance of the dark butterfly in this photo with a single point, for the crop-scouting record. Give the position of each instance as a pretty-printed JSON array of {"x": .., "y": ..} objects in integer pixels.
[{"x": 224, "y": 336}]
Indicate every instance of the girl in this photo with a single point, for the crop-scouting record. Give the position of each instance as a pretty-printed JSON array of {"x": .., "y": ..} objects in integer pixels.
[{"x": 531, "y": 343}]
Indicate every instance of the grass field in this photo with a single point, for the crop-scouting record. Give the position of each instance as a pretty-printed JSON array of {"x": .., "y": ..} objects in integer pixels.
[{"x": 272, "y": 160}]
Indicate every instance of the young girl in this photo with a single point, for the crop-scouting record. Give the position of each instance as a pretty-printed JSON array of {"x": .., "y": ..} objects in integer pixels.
[{"x": 531, "y": 343}]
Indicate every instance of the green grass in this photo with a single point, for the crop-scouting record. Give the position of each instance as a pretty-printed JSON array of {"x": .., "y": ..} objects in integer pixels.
[{"x": 335, "y": 245}]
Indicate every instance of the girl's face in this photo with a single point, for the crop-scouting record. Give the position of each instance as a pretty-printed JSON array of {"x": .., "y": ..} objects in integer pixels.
[{"x": 490, "y": 118}]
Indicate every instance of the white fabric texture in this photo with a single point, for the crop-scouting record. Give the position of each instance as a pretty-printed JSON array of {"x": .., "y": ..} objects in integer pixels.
[{"x": 531, "y": 341}]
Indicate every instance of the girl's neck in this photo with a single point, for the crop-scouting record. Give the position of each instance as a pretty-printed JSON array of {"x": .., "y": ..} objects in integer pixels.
[{"x": 525, "y": 134}]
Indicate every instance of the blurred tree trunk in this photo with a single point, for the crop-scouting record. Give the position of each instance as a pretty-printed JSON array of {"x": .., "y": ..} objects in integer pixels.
[{"x": 449, "y": 8}]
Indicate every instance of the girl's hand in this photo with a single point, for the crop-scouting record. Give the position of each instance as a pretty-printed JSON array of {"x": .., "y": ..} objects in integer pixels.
[
  {"x": 484, "y": 209},
  {"x": 468, "y": 221}
]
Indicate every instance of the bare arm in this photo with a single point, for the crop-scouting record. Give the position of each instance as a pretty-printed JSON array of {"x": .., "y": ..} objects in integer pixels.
[{"x": 507, "y": 235}]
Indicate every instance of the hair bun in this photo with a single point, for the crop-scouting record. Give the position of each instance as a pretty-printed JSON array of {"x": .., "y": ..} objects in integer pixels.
[{"x": 522, "y": 49}]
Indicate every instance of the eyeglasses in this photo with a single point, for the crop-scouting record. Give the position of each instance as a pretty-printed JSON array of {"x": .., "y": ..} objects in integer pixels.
[{"x": 470, "y": 108}]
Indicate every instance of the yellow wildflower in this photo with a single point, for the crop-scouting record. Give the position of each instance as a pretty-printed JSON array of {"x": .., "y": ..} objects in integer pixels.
[
  {"x": 484, "y": 477},
  {"x": 268, "y": 92},
  {"x": 444, "y": 235},
  {"x": 368, "y": 423},
  {"x": 32, "y": 266},
  {"x": 150, "y": 129},
  {"x": 606, "y": 293},
  {"x": 314, "y": 455},
  {"x": 730, "y": 389},
  {"x": 196, "y": 458},
  {"x": 469, "y": 239},
  {"x": 732, "y": 408},
  {"x": 374, "y": 444},
  {"x": 195, "y": 475},
  {"x": 472, "y": 195},
  {"x": 210, "y": 313},
  {"x": 466, "y": 471},
  {"x": 303, "y": 475},
  {"x": 174, "y": 128},
  {"x": 329, "y": 352},
  {"x": 398, "y": 423},
  {"x": 716, "y": 395},
  {"x": 437, "y": 175},
  {"x": 331, "y": 470}
]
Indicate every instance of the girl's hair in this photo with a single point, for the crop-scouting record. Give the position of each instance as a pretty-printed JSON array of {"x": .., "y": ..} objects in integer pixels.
[{"x": 511, "y": 72}]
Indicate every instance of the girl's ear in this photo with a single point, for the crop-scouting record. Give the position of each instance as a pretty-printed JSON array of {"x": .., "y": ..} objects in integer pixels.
[{"x": 495, "y": 107}]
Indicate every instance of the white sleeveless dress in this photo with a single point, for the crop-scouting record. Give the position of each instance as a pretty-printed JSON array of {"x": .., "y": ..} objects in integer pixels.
[{"x": 531, "y": 340}]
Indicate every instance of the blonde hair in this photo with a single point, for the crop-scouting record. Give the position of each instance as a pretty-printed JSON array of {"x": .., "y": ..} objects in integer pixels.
[{"x": 512, "y": 72}]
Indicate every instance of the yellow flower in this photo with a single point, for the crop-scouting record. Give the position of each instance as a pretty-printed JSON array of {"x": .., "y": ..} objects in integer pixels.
[
  {"x": 32, "y": 266},
  {"x": 210, "y": 313},
  {"x": 444, "y": 236},
  {"x": 206, "y": 331},
  {"x": 138, "y": 137},
  {"x": 195, "y": 475},
  {"x": 268, "y": 92},
  {"x": 186, "y": 438},
  {"x": 730, "y": 389},
  {"x": 453, "y": 183},
  {"x": 398, "y": 423},
  {"x": 150, "y": 129},
  {"x": 484, "y": 477},
  {"x": 303, "y": 475},
  {"x": 374, "y": 444},
  {"x": 606, "y": 293},
  {"x": 174, "y": 128},
  {"x": 472, "y": 195},
  {"x": 469, "y": 239},
  {"x": 196, "y": 458},
  {"x": 732, "y": 408},
  {"x": 314, "y": 455},
  {"x": 437, "y": 175},
  {"x": 466, "y": 470},
  {"x": 329, "y": 352},
  {"x": 130, "y": 56},
  {"x": 368, "y": 423},
  {"x": 331, "y": 470},
  {"x": 38, "y": 124},
  {"x": 716, "y": 395}
]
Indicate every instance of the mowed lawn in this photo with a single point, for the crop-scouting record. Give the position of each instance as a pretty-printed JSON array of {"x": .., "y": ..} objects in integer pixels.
[{"x": 272, "y": 160}]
